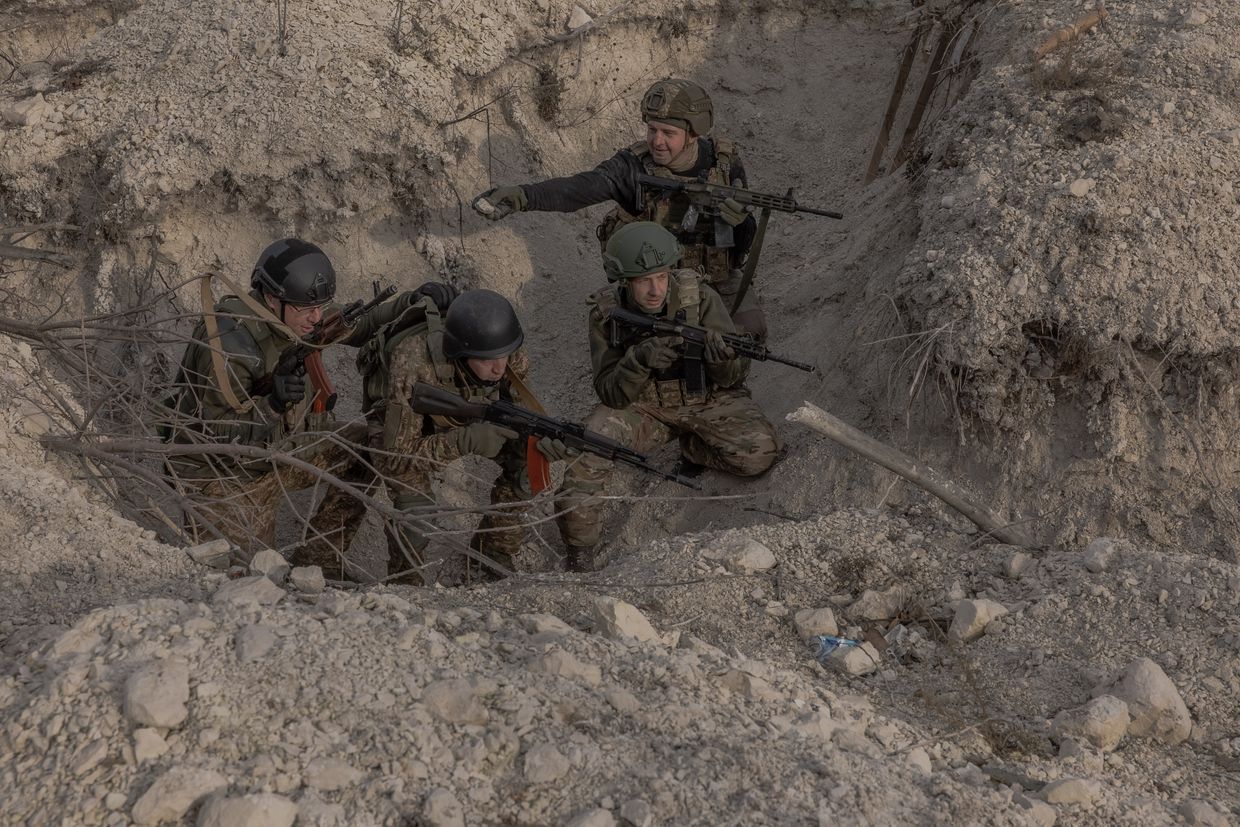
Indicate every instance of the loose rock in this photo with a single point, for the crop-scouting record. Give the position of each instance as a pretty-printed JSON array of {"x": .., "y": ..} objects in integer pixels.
[
  {"x": 260, "y": 810},
  {"x": 254, "y": 642},
  {"x": 1078, "y": 791},
  {"x": 1102, "y": 723},
  {"x": 214, "y": 554},
  {"x": 441, "y": 809},
  {"x": 1155, "y": 704},
  {"x": 1099, "y": 554},
  {"x": 248, "y": 591},
  {"x": 741, "y": 554},
  {"x": 597, "y": 817},
  {"x": 621, "y": 621},
  {"x": 812, "y": 622},
  {"x": 972, "y": 617},
  {"x": 329, "y": 774},
  {"x": 271, "y": 564},
  {"x": 174, "y": 792},
  {"x": 307, "y": 579},
  {"x": 543, "y": 764},
  {"x": 854, "y": 660},
  {"x": 156, "y": 694},
  {"x": 455, "y": 701}
]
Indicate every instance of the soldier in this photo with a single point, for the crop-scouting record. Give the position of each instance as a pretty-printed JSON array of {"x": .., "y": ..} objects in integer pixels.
[
  {"x": 238, "y": 342},
  {"x": 473, "y": 350},
  {"x": 655, "y": 389},
  {"x": 678, "y": 117}
]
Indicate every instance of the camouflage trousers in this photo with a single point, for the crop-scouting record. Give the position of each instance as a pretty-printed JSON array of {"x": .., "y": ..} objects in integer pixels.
[
  {"x": 748, "y": 317},
  {"x": 728, "y": 432},
  {"x": 410, "y": 485},
  {"x": 244, "y": 507}
]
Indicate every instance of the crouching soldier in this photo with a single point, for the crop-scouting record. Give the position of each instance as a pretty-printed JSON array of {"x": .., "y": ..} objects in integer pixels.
[
  {"x": 473, "y": 350},
  {"x": 656, "y": 389},
  {"x": 231, "y": 388}
]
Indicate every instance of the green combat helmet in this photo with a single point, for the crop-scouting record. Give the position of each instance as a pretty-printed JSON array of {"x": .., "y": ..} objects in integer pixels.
[
  {"x": 681, "y": 103},
  {"x": 639, "y": 249}
]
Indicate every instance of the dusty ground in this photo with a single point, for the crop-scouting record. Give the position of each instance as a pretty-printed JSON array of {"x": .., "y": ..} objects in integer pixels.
[{"x": 1039, "y": 302}]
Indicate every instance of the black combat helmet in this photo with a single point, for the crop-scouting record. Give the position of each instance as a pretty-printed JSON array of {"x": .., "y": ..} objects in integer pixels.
[
  {"x": 295, "y": 272},
  {"x": 481, "y": 324}
]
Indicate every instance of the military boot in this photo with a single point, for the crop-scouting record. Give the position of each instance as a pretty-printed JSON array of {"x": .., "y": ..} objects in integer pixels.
[{"x": 579, "y": 559}]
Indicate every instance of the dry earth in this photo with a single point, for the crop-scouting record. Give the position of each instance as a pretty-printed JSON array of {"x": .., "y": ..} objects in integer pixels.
[{"x": 1039, "y": 302}]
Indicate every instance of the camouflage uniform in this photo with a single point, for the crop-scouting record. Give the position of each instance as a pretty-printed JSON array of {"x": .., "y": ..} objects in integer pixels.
[
  {"x": 240, "y": 497},
  {"x": 412, "y": 447},
  {"x": 719, "y": 427}
]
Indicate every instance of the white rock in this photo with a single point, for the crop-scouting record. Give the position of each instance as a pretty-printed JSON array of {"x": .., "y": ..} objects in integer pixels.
[
  {"x": 214, "y": 553},
  {"x": 156, "y": 694},
  {"x": 254, "y": 642},
  {"x": 455, "y": 701},
  {"x": 596, "y": 817},
  {"x": 259, "y": 810},
  {"x": 28, "y": 112},
  {"x": 578, "y": 18},
  {"x": 174, "y": 792},
  {"x": 811, "y": 622},
  {"x": 1040, "y": 813},
  {"x": 1017, "y": 564},
  {"x": 874, "y": 605},
  {"x": 1078, "y": 791},
  {"x": 1081, "y": 187},
  {"x": 972, "y": 617},
  {"x": 307, "y": 579},
  {"x": 543, "y": 764},
  {"x": 749, "y": 686},
  {"x": 1155, "y": 704},
  {"x": 621, "y": 621},
  {"x": 919, "y": 760},
  {"x": 636, "y": 813},
  {"x": 89, "y": 757},
  {"x": 441, "y": 809},
  {"x": 271, "y": 564},
  {"x": 741, "y": 554},
  {"x": 248, "y": 591},
  {"x": 1102, "y": 723},
  {"x": 76, "y": 641},
  {"x": 622, "y": 700},
  {"x": 854, "y": 660},
  {"x": 328, "y": 774},
  {"x": 556, "y": 661},
  {"x": 1099, "y": 554},
  {"x": 1194, "y": 18},
  {"x": 815, "y": 723},
  {"x": 1202, "y": 813},
  {"x": 537, "y": 624},
  {"x": 148, "y": 745}
]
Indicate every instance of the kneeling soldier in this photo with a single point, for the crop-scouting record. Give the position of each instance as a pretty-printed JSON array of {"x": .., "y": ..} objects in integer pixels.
[
  {"x": 474, "y": 350},
  {"x": 657, "y": 389}
]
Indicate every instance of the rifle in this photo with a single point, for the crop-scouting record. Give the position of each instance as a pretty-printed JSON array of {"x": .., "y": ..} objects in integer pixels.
[
  {"x": 432, "y": 401},
  {"x": 306, "y": 356},
  {"x": 743, "y": 345}
]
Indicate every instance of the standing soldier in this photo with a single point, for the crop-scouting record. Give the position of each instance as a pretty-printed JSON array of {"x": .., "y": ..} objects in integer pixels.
[
  {"x": 473, "y": 350},
  {"x": 678, "y": 117},
  {"x": 230, "y": 390},
  {"x": 657, "y": 389}
]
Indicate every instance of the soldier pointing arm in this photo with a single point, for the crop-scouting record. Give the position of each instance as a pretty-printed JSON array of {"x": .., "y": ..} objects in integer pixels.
[{"x": 678, "y": 115}]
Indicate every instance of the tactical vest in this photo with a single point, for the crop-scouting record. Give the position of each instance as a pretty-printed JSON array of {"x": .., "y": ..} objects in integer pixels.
[
  {"x": 668, "y": 209},
  {"x": 684, "y": 381}
]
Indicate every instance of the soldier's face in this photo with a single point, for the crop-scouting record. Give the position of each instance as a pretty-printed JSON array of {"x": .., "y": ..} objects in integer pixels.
[
  {"x": 665, "y": 141},
  {"x": 649, "y": 292},
  {"x": 300, "y": 318},
  {"x": 488, "y": 370}
]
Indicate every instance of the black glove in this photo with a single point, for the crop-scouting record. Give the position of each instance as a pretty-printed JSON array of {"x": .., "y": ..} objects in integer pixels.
[
  {"x": 500, "y": 202},
  {"x": 441, "y": 293},
  {"x": 657, "y": 352},
  {"x": 483, "y": 439},
  {"x": 287, "y": 389},
  {"x": 716, "y": 351}
]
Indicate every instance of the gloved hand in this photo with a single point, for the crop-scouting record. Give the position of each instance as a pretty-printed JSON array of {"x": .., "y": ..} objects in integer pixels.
[
  {"x": 555, "y": 449},
  {"x": 732, "y": 211},
  {"x": 657, "y": 352},
  {"x": 287, "y": 389},
  {"x": 483, "y": 439},
  {"x": 500, "y": 202},
  {"x": 441, "y": 293},
  {"x": 716, "y": 351}
]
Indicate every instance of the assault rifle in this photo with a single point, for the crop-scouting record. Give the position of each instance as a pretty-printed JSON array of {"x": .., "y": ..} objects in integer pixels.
[
  {"x": 703, "y": 195},
  {"x": 707, "y": 196},
  {"x": 432, "y": 401},
  {"x": 743, "y": 345},
  {"x": 306, "y": 356}
]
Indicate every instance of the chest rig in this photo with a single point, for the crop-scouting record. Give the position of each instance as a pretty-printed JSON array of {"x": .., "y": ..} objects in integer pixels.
[
  {"x": 684, "y": 381},
  {"x": 707, "y": 243}
]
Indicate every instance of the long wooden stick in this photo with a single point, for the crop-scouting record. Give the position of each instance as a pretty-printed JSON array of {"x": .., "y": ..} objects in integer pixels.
[
  {"x": 893, "y": 104},
  {"x": 1069, "y": 33},
  {"x": 923, "y": 476}
]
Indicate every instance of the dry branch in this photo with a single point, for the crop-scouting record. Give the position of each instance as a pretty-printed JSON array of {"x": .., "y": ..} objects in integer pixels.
[
  {"x": 30, "y": 254},
  {"x": 1069, "y": 33},
  {"x": 923, "y": 476}
]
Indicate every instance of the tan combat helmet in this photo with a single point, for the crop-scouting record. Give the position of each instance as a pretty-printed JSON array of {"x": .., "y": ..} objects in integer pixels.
[{"x": 681, "y": 103}]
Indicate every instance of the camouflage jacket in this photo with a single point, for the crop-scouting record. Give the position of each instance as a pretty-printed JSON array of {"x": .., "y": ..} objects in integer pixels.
[
  {"x": 391, "y": 364},
  {"x": 251, "y": 347},
  {"x": 620, "y": 381}
]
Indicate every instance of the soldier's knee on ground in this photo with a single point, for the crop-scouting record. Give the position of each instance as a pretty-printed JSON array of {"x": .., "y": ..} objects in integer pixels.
[{"x": 751, "y": 321}]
